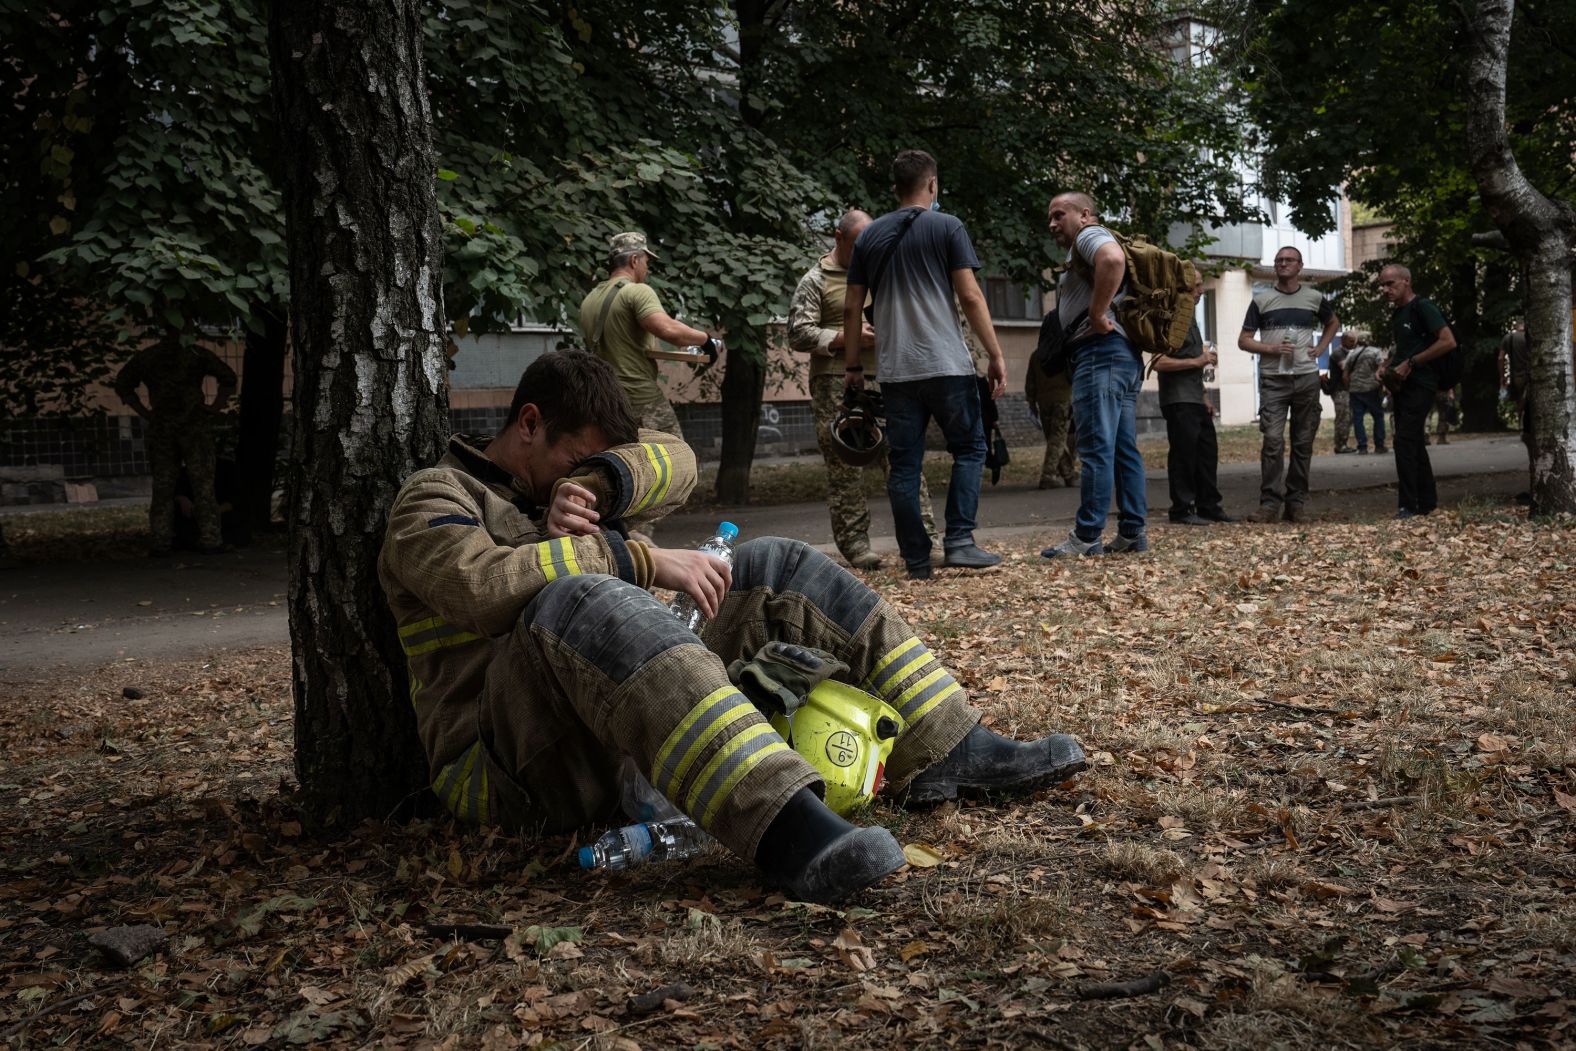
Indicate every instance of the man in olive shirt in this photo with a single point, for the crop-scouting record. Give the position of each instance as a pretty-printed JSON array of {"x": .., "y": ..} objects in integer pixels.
[
  {"x": 1421, "y": 336},
  {"x": 815, "y": 328},
  {"x": 622, "y": 318}
]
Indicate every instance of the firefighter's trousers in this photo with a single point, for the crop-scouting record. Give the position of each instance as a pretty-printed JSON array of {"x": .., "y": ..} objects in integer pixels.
[{"x": 598, "y": 668}]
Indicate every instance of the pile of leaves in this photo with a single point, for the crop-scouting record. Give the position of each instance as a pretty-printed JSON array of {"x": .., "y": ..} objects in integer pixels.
[{"x": 1330, "y": 804}]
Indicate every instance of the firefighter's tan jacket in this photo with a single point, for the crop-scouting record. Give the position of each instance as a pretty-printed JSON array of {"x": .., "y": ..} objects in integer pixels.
[{"x": 466, "y": 550}]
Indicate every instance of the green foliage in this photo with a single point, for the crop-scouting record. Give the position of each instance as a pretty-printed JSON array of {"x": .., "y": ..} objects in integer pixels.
[
  {"x": 139, "y": 188},
  {"x": 1017, "y": 102},
  {"x": 564, "y": 124},
  {"x": 1387, "y": 112},
  {"x": 136, "y": 182}
]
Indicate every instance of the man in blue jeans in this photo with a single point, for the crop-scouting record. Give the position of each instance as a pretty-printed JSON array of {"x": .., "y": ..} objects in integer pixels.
[
  {"x": 915, "y": 261},
  {"x": 1107, "y": 373}
]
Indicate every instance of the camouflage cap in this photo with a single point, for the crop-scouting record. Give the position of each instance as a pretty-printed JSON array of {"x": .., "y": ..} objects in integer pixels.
[{"x": 633, "y": 241}]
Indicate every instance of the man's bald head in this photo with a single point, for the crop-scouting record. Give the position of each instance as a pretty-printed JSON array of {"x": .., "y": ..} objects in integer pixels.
[
  {"x": 1078, "y": 201},
  {"x": 849, "y": 227},
  {"x": 853, "y": 221},
  {"x": 1068, "y": 214}
]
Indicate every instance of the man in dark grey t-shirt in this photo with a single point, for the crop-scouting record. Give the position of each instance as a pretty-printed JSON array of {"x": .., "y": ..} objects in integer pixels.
[{"x": 913, "y": 262}]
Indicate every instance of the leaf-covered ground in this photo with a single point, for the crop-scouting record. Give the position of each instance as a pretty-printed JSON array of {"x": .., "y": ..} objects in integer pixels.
[{"x": 1333, "y": 804}]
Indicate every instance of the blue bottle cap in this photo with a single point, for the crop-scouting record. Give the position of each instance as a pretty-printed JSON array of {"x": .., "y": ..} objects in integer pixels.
[
  {"x": 728, "y": 530},
  {"x": 587, "y": 858}
]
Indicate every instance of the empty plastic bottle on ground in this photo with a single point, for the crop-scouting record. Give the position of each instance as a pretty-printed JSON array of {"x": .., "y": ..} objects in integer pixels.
[
  {"x": 637, "y": 844},
  {"x": 720, "y": 545}
]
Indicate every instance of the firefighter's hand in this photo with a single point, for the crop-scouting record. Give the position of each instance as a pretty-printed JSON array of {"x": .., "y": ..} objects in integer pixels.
[
  {"x": 702, "y": 577},
  {"x": 570, "y": 513}
]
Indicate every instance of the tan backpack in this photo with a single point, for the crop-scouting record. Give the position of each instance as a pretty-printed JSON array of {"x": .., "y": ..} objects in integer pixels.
[{"x": 1159, "y": 304}]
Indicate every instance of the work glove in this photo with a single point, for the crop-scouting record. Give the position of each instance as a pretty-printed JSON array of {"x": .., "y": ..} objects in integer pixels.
[
  {"x": 712, "y": 348},
  {"x": 781, "y": 675}
]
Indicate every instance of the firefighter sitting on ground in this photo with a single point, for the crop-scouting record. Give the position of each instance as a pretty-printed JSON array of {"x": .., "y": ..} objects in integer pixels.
[{"x": 538, "y": 656}]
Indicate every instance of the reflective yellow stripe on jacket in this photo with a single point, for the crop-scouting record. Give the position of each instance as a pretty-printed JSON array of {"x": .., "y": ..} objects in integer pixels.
[
  {"x": 662, "y": 463},
  {"x": 424, "y": 636}
]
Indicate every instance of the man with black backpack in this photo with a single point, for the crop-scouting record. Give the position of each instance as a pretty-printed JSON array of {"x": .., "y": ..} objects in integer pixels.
[
  {"x": 917, "y": 263},
  {"x": 1425, "y": 360}
]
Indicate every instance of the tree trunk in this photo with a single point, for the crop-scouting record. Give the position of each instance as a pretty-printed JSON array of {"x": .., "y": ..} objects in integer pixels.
[
  {"x": 1541, "y": 233},
  {"x": 370, "y": 403},
  {"x": 262, "y": 410},
  {"x": 743, "y": 387}
]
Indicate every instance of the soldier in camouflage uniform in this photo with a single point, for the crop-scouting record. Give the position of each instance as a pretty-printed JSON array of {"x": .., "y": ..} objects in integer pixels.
[
  {"x": 1340, "y": 348},
  {"x": 1051, "y": 399},
  {"x": 815, "y": 328},
  {"x": 538, "y": 656},
  {"x": 178, "y": 413}
]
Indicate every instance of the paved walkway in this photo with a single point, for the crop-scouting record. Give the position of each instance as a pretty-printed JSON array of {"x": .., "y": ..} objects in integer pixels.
[{"x": 82, "y": 615}]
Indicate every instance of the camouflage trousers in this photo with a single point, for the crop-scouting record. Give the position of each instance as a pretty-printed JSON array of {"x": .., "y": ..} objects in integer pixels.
[
  {"x": 658, "y": 416},
  {"x": 597, "y": 668},
  {"x": 845, "y": 489},
  {"x": 1343, "y": 418},
  {"x": 169, "y": 445},
  {"x": 1054, "y": 403}
]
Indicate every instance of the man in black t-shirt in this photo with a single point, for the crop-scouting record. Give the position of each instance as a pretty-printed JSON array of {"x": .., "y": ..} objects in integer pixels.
[
  {"x": 1421, "y": 336},
  {"x": 1190, "y": 431}
]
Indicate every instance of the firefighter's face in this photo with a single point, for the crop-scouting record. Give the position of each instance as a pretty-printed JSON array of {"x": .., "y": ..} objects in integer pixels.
[{"x": 547, "y": 458}]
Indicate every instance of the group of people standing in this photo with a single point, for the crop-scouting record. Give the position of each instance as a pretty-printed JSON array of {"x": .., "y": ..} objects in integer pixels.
[{"x": 890, "y": 305}]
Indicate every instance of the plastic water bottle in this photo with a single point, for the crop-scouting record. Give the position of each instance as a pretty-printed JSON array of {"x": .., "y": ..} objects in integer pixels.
[
  {"x": 637, "y": 844},
  {"x": 721, "y": 546},
  {"x": 641, "y": 801}
]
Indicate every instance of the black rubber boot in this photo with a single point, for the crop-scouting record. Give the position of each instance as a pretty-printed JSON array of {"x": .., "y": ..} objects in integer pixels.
[
  {"x": 814, "y": 855},
  {"x": 986, "y": 763}
]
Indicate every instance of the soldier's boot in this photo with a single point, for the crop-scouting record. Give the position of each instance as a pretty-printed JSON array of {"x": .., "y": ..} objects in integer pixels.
[
  {"x": 814, "y": 855},
  {"x": 858, "y": 554},
  {"x": 985, "y": 764}
]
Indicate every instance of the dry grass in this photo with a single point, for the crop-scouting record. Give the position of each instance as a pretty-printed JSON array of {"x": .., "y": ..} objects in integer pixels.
[{"x": 1331, "y": 796}]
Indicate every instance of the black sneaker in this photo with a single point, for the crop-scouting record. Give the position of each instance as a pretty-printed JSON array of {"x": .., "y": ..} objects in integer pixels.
[
  {"x": 970, "y": 556},
  {"x": 1218, "y": 515},
  {"x": 985, "y": 763},
  {"x": 919, "y": 572},
  {"x": 1190, "y": 519}
]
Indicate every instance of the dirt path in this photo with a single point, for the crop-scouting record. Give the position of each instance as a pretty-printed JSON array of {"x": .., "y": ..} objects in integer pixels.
[{"x": 83, "y": 615}]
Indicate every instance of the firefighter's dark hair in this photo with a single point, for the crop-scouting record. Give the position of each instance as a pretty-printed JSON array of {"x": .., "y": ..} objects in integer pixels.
[{"x": 573, "y": 389}]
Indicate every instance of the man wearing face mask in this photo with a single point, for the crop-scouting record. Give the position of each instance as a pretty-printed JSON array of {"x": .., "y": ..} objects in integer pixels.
[{"x": 915, "y": 261}]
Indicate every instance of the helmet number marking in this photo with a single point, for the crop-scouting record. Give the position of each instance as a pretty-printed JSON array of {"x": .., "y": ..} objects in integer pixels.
[{"x": 842, "y": 748}]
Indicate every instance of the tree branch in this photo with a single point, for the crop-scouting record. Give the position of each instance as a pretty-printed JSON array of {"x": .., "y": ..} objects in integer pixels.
[{"x": 1491, "y": 239}]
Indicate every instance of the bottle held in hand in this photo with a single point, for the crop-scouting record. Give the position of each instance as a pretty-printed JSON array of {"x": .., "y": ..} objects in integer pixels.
[{"x": 720, "y": 546}]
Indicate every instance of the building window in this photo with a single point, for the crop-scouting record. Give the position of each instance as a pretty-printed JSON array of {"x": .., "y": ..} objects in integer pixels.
[
  {"x": 1204, "y": 314},
  {"x": 1010, "y": 301}
]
